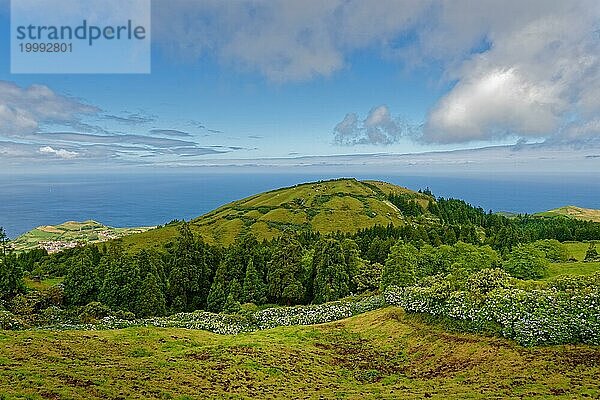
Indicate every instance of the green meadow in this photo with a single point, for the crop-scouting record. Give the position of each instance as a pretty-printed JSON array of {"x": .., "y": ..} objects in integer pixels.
[{"x": 381, "y": 354}]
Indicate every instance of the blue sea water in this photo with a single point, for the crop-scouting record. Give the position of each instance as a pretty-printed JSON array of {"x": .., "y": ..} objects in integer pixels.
[{"x": 120, "y": 200}]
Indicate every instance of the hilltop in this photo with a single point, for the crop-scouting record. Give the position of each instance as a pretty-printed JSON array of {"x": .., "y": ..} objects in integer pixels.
[
  {"x": 345, "y": 205},
  {"x": 69, "y": 234},
  {"x": 584, "y": 214}
]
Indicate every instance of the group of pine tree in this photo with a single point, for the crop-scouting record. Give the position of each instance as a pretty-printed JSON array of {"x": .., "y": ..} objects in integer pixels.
[{"x": 444, "y": 237}]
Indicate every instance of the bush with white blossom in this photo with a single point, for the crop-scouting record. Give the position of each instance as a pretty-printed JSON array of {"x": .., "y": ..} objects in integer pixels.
[
  {"x": 567, "y": 311},
  {"x": 248, "y": 322}
]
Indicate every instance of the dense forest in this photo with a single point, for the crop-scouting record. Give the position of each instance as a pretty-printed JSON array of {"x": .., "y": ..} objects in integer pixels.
[{"x": 447, "y": 237}]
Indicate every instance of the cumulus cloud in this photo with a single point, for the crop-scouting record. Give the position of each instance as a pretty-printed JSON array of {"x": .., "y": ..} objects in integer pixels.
[
  {"x": 23, "y": 110},
  {"x": 61, "y": 153},
  {"x": 379, "y": 127},
  {"x": 282, "y": 40},
  {"x": 537, "y": 76},
  {"x": 37, "y": 121},
  {"x": 496, "y": 104},
  {"x": 513, "y": 68}
]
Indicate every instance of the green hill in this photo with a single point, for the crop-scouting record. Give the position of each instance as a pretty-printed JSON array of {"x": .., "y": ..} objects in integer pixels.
[
  {"x": 584, "y": 214},
  {"x": 69, "y": 234},
  {"x": 384, "y": 354},
  {"x": 345, "y": 205}
]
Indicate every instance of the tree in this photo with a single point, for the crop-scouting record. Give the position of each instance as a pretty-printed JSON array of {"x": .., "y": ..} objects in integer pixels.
[
  {"x": 237, "y": 255},
  {"x": 352, "y": 260},
  {"x": 526, "y": 262},
  {"x": 82, "y": 282},
  {"x": 4, "y": 242},
  {"x": 189, "y": 277},
  {"x": 284, "y": 271},
  {"x": 449, "y": 236},
  {"x": 253, "y": 290},
  {"x": 434, "y": 260},
  {"x": 11, "y": 277},
  {"x": 151, "y": 300},
  {"x": 368, "y": 276},
  {"x": 11, "y": 274},
  {"x": 218, "y": 290},
  {"x": 553, "y": 250},
  {"x": 331, "y": 272},
  {"x": 232, "y": 304},
  {"x": 470, "y": 258},
  {"x": 120, "y": 286},
  {"x": 400, "y": 266},
  {"x": 591, "y": 254}
]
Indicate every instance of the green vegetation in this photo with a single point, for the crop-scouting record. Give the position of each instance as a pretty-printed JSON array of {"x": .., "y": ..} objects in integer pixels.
[
  {"x": 42, "y": 284},
  {"x": 310, "y": 254},
  {"x": 382, "y": 354},
  {"x": 302, "y": 264},
  {"x": 584, "y": 214},
  {"x": 71, "y": 233},
  {"x": 574, "y": 263},
  {"x": 344, "y": 205}
]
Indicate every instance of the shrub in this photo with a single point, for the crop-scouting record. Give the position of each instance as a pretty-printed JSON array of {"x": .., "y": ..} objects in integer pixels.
[
  {"x": 484, "y": 281},
  {"x": 566, "y": 312},
  {"x": 526, "y": 262},
  {"x": 9, "y": 321},
  {"x": 234, "y": 324},
  {"x": 553, "y": 250},
  {"x": 92, "y": 312}
]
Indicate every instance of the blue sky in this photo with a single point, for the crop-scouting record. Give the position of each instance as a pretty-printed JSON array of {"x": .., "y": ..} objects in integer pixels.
[{"x": 261, "y": 80}]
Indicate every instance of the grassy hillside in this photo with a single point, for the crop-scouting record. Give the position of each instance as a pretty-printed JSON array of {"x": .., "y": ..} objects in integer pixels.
[
  {"x": 71, "y": 233},
  {"x": 381, "y": 354},
  {"x": 577, "y": 251},
  {"x": 345, "y": 205},
  {"x": 584, "y": 214}
]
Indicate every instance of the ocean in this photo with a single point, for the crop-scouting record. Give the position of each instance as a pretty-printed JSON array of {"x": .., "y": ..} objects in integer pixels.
[{"x": 146, "y": 199}]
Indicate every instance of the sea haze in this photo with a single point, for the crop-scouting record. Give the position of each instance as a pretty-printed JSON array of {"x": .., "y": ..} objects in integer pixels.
[{"x": 146, "y": 199}]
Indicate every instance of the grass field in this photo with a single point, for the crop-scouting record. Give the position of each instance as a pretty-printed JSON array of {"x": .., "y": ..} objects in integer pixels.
[
  {"x": 576, "y": 250},
  {"x": 71, "y": 231},
  {"x": 43, "y": 284},
  {"x": 381, "y": 354},
  {"x": 573, "y": 268},
  {"x": 585, "y": 214},
  {"x": 345, "y": 205}
]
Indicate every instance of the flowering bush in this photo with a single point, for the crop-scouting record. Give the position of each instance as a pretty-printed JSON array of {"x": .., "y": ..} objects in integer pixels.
[
  {"x": 10, "y": 321},
  {"x": 315, "y": 314},
  {"x": 565, "y": 310},
  {"x": 234, "y": 324},
  {"x": 531, "y": 317}
]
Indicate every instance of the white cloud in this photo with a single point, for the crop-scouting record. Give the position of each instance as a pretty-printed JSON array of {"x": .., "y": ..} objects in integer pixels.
[
  {"x": 538, "y": 74},
  {"x": 497, "y": 104},
  {"x": 23, "y": 110},
  {"x": 379, "y": 127},
  {"x": 281, "y": 39},
  {"x": 514, "y": 68},
  {"x": 61, "y": 153}
]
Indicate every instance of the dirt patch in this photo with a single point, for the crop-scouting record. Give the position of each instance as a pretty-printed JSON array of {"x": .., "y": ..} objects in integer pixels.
[
  {"x": 76, "y": 382},
  {"x": 577, "y": 357},
  {"x": 203, "y": 355},
  {"x": 368, "y": 363}
]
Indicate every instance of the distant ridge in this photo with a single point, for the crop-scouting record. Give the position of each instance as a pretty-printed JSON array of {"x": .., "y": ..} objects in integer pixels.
[
  {"x": 584, "y": 214},
  {"x": 70, "y": 234}
]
